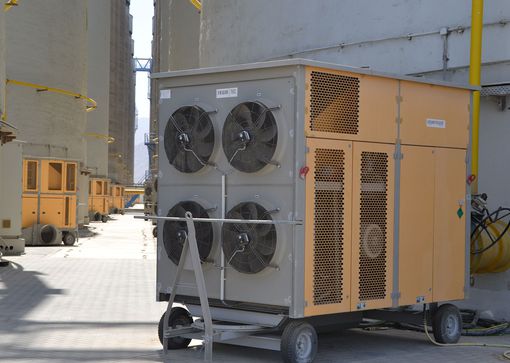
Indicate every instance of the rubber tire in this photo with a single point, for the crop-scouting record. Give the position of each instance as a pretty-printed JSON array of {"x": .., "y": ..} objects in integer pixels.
[
  {"x": 441, "y": 318},
  {"x": 69, "y": 239},
  {"x": 178, "y": 316},
  {"x": 97, "y": 216},
  {"x": 155, "y": 232},
  {"x": 289, "y": 341},
  {"x": 104, "y": 218}
]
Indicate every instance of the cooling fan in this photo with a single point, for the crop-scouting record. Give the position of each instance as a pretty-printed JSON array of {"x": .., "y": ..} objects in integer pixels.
[
  {"x": 250, "y": 135},
  {"x": 249, "y": 248},
  {"x": 189, "y": 139},
  {"x": 175, "y": 232}
]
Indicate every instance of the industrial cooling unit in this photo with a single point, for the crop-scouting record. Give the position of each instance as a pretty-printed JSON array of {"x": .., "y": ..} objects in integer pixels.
[{"x": 369, "y": 170}]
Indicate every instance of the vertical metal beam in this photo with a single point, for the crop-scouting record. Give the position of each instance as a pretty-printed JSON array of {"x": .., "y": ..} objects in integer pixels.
[
  {"x": 395, "y": 295},
  {"x": 202, "y": 293},
  {"x": 474, "y": 79}
]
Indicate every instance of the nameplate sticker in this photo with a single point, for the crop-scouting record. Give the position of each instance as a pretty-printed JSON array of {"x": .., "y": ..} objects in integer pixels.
[
  {"x": 226, "y": 92},
  {"x": 436, "y": 123},
  {"x": 165, "y": 94}
]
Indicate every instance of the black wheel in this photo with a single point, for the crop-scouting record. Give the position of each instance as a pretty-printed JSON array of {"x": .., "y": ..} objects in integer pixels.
[
  {"x": 447, "y": 324},
  {"x": 178, "y": 317},
  {"x": 69, "y": 239},
  {"x": 121, "y": 212},
  {"x": 104, "y": 218},
  {"x": 155, "y": 232},
  {"x": 299, "y": 342},
  {"x": 115, "y": 210},
  {"x": 97, "y": 216}
]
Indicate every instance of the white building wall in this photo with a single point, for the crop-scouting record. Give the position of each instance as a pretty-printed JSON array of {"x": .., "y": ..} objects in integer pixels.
[{"x": 47, "y": 44}]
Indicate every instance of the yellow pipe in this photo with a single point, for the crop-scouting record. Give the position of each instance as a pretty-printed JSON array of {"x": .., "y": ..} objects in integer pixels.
[
  {"x": 197, "y": 4},
  {"x": 474, "y": 79},
  {"x": 9, "y": 4},
  {"x": 109, "y": 139},
  {"x": 92, "y": 105}
]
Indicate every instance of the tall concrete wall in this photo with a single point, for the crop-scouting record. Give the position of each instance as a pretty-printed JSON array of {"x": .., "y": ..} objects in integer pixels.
[
  {"x": 179, "y": 36},
  {"x": 122, "y": 95},
  {"x": 47, "y": 44},
  {"x": 98, "y": 66},
  {"x": 2, "y": 63}
]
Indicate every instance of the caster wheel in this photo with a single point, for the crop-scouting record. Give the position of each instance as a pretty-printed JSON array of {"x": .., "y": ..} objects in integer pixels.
[
  {"x": 104, "y": 218},
  {"x": 69, "y": 239},
  {"x": 447, "y": 324},
  {"x": 122, "y": 212},
  {"x": 178, "y": 317},
  {"x": 299, "y": 342},
  {"x": 97, "y": 217},
  {"x": 155, "y": 232}
]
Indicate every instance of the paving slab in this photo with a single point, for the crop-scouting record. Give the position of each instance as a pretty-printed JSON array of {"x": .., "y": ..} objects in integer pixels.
[{"x": 95, "y": 302}]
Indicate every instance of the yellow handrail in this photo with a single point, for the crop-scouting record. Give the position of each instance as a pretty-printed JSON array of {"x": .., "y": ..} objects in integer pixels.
[
  {"x": 92, "y": 105},
  {"x": 9, "y": 4},
  {"x": 474, "y": 79},
  {"x": 109, "y": 139},
  {"x": 197, "y": 4}
]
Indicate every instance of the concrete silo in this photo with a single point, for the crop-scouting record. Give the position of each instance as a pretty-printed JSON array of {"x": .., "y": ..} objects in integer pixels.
[
  {"x": 47, "y": 45},
  {"x": 10, "y": 169}
]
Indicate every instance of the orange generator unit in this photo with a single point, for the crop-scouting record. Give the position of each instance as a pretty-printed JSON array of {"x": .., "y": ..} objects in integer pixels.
[
  {"x": 363, "y": 176},
  {"x": 49, "y": 201},
  {"x": 117, "y": 199},
  {"x": 99, "y": 199}
]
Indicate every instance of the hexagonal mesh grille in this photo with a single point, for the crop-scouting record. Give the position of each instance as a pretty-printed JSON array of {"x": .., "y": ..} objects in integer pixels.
[
  {"x": 373, "y": 220},
  {"x": 334, "y": 103},
  {"x": 328, "y": 226}
]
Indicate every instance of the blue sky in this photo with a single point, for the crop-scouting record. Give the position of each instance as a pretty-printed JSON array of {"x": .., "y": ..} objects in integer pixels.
[{"x": 142, "y": 11}]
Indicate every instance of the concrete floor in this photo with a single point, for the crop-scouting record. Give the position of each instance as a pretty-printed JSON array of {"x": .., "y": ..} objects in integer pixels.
[{"x": 95, "y": 302}]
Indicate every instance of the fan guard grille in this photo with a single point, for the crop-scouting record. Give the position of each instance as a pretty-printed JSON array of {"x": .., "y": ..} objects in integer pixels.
[
  {"x": 189, "y": 139},
  {"x": 175, "y": 232},
  {"x": 249, "y": 248},
  {"x": 250, "y": 135}
]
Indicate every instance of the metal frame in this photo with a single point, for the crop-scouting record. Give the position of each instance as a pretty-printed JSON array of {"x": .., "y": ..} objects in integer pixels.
[{"x": 242, "y": 334}]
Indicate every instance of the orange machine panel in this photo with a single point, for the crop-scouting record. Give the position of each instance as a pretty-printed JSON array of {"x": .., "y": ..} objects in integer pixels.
[
  {"x": 71, "y": 177},
  {"x": 434, "y": 115},
  {"x": 52, "y": 211},
  {"x": 328, "y": 227},
  {"x": 29, "y": 210},
  {"x": 52, "y": 176},
  {"x": 342, "y": 105},
  {"x": 30, "y": 175},
  {"x": 372, "y": 225},
  {"x": 416, "y": 231},
  {"x": 70, "y": 211},
  {"x": 449, "y": 225}
]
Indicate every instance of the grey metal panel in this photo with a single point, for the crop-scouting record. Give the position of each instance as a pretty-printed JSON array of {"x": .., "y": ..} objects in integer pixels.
[
  {"x": 305, "y": 62},
  {"x": 298, "y": 288},
  {"x": 239, "y": 316},
  {"x": 395, "y": 294}
]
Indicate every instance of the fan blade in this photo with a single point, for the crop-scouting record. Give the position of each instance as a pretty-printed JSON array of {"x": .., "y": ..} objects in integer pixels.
[
  {"x": 180, "y": 211},
  {"x": 252, "y": 210},
  {"x": 203, "y": 149},
  {"x": 181, "y": 124},
  {"x": 261, "y": 118},
  {"x": 265, "y": 246},
  {"x": 255, "y": 265},
  {"x": 267, "y": 134}
]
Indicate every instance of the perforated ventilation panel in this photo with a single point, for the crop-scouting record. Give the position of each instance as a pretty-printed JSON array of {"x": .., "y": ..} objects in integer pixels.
[
  {"x": 334, "y": 103},
  {"x": 373, "y": 222},
  {"x": 328, "y": 226}
]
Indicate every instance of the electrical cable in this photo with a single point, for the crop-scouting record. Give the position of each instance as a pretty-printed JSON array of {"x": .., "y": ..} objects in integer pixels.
[
  {"x": 482, "y": 225},
  {"x": 486, "y": 345}
]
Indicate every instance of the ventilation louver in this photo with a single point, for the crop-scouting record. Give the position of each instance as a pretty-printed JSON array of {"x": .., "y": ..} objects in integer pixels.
[
  {"x": 250, "y": 135},
  {"x": 189, "y": 139},
  {"x": 175, "y": 232},
  {"x": 249, "y": 248}
]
